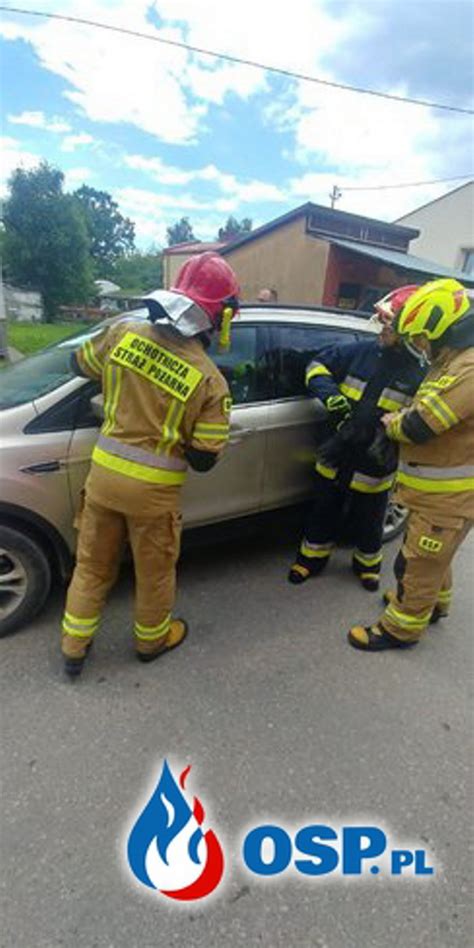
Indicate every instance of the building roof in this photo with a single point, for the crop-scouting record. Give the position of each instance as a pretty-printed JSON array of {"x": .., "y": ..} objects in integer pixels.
[
  {"x": 442, "y": 197},
  {"x": 309, "y": 208},
  {"x": 105, "y": 287},
  {"x": 194, "y": 246},
  {"x": 406, "y": 261}
]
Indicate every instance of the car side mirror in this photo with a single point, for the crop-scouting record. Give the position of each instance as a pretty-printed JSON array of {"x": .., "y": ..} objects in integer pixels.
[{"x": 97, "y": 407}]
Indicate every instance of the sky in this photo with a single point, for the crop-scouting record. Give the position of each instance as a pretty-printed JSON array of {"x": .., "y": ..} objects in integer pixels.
[{"x": 171, "y": 133}]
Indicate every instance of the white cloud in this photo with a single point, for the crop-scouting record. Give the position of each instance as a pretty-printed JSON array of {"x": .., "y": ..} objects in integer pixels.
[
  {"x": 152, "y": 212},
  {"x": 141, "y": 201},
  {"x": 114, "y": 78},
  {"x": 165, "y": 174},
  {"x": 237, "y": 192},
  {"x": 383, "y": 204},
  {"x": 164, "y": 90},
  {"x": 39, "y": 120},
  {"x": 14, "y": 156},
  {"x": 171, "y": 93},
  {"x": 74, "y": 177},
  {"x": 71, "y": 142}
]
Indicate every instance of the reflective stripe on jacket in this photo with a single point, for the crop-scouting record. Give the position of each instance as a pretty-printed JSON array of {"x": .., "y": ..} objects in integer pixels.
[
  {"x": 375, "y": 380},
  {"x": 162, "y": 395},
  {"x": 439, "y": 474}
]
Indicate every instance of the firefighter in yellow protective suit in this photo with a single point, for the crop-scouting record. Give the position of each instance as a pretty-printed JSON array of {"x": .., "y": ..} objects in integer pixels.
[
  {"x": 436, "y": 470},
  {"x": 166, "y": 406}
]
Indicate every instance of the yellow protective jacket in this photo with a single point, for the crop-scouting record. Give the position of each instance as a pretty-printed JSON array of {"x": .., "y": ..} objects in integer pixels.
[
  {"x": 162, "y": 396},
  {"x": 437, "y": 475}
]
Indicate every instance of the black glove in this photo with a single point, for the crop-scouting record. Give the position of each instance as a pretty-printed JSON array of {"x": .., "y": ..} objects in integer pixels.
[
  {"x": 355, "y": 432},
  {"x": 332, "y": 451},
  {"x": 382, "y": 451},
  {"x": 339, "y": 410},
  {"x": 359, "y": 429}
]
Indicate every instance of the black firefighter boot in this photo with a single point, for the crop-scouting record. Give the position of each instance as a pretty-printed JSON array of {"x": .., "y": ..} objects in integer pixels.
[
  {"x": 73, "y": 664},
  {"x": 300, "y": 571},
  {"x": 368, "y": 576}
]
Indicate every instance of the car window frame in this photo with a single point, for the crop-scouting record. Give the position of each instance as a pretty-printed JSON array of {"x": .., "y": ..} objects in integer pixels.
[
  {"x": 275, "y": 337},
  {"x": 261, "y": 351},
  {"x": 47, "y": 421}
]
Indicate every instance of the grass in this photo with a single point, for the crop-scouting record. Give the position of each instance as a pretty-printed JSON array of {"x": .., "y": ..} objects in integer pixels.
[{"x": 30, "y": 337}]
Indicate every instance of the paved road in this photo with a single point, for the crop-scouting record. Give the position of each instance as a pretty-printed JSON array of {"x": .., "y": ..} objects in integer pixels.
[{"x": 280, "y": 718}]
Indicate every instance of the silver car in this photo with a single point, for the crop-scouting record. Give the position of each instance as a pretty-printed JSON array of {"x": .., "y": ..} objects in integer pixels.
[{"x": 50, "y": 423}]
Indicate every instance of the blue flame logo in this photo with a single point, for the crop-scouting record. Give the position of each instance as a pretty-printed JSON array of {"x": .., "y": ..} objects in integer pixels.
[{"x": 167, "y": 849}]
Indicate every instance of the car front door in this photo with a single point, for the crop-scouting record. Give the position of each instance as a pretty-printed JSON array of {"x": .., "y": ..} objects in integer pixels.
[
  {"x": 292, "y": 416},
  {"x": 234, "y": 487}
]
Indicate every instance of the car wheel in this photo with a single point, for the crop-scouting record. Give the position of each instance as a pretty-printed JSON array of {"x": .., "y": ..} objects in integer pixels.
[
  {"x": 25, "y": 579},
  {"x": 395, "y": 521}
]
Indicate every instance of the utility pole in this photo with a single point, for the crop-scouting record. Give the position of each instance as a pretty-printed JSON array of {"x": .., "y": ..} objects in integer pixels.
[{"x": 335, "y": 194}]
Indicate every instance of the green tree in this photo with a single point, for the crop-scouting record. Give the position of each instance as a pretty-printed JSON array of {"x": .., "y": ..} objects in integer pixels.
[
  {"x": 138, "y": 272},
  {"x": 180, "y": 233},
  {"x": 234, "y": 228},
  {"x": 46, "y": 240},
  {"x": 111, "y": 234}
]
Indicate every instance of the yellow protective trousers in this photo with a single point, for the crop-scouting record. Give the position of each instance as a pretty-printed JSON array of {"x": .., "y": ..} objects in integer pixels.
[
  {"x": 423, "y": 573},
  {"x": 155, "y": 540}
]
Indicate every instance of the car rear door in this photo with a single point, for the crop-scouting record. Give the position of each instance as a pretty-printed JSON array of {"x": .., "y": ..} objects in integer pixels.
[
  {"x": 292, "y": 416},
  {"x": 234, "y": 487}
]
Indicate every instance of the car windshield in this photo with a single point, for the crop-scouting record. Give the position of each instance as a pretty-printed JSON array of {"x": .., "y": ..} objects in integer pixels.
[
  {"x": 46, "y": 371},
  {"x": 41, "y": 373}
]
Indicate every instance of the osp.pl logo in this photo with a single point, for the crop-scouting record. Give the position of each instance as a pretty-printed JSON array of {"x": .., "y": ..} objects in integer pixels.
[{"x": 168, "y": 850}]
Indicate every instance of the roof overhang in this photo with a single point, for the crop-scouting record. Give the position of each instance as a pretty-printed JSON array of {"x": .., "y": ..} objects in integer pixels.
[{"x": 403, "y": 261}]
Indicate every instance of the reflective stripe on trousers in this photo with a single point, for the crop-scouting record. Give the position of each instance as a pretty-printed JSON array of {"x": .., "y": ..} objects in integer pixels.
[
  {"x": 315, "y": 550},
  {"x": 423, "y": 574},
  {"x": 436, "y": 480},
  {"x": 155, "y": 545}
]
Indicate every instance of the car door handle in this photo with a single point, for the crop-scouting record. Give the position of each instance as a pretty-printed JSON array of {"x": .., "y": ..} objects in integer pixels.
[
  {"x": 42, "y": 467},
  {"x": 238, "y": 434}
]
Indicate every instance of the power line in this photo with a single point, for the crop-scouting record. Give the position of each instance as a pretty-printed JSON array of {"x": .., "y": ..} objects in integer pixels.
[
  {"x": 236, "y": 59},
  {"x": 407, "y": 184}
]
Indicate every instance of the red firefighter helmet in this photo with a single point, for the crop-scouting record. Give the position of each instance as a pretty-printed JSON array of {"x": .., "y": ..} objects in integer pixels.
[
  {"x": 209, "y": 281},
  {"x": 389, "y": 307}
]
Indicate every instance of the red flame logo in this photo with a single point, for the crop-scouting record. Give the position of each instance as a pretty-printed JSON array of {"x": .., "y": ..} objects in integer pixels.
[
  {"x": 167, "y": 843},
  {"x": 214, "y": 866}
]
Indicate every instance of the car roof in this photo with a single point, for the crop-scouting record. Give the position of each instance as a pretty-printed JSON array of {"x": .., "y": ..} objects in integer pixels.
[
  {"x": 310, "y": 317},
  {"x": 298, "y": 315}
]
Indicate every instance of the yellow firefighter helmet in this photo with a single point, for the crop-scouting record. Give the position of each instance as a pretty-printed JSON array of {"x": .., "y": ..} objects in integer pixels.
[{"x": 432, "y": 309}]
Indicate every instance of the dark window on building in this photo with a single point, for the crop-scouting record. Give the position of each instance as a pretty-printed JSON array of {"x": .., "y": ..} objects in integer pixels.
[
  {"x": 320, "y": 222},
  {"x": 468, "y": 262},
  {"x": 349, "y": 295}
]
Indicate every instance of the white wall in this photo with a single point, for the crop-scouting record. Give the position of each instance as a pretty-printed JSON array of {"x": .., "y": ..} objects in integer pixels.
[
  {"x": 23, "y": 305},
  {"x": 446, "y": 225}
]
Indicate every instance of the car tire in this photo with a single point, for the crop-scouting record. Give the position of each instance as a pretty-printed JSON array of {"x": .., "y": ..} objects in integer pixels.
[
  {"x": 395, "y": 521},
  {"x": 25, "y": 579}
]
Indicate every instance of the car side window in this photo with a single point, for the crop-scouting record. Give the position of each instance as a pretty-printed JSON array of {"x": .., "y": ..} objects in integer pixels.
[
  {"x": 293, "y": 348},
  {"x": 243, "y": 366},
  {"x": 73, "y": 411}
]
